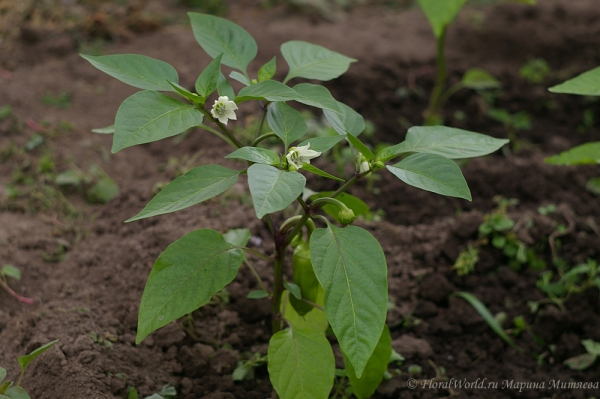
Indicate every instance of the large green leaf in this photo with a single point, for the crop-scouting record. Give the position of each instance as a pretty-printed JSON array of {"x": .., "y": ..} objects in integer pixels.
[
  {"x": 224, "y": 87},
  {"x": 273, "y": 189},
  {"x": 311, "y": 61},
  {"x": 440, "y": 13},
  {"x": 351, "y": 268},
  {"x": 149, "y": 116},
  {"x": 286, "y": 122},
  {"x": 434, "y": 173},
  {"x": 445, "y": 141},
  {"x": 209, "y": 78},
  {"x": 346, "y": 121},
  {"x": 184, "y": 278},
  {"x": 585, "y": 154},
  {"x": 586, "y": 84},
  {"x": 270, "y": 90},
  {"x": 322, "y": 144},
  {"x": 377, "y": 365},
  {"x": 24, "y": 361},
  {"x": 315, "y": 320},
  {"x": 316, "y": 96},
  {"x": 217, "y": 35},
  {"x": 197, "y": 185},
  {"x": 256, "y": 155},
  {"x": 301, "y": 364},
  {"x": 15, "y": 393},
  {"x": 136, "y": 70}
]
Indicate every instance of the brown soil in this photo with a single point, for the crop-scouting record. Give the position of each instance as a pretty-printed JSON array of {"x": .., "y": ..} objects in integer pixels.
[{"x": 96, "y": 287}]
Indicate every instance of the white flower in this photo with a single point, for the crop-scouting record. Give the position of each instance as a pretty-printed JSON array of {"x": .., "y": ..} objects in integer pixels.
[
  {"x": 223, "y": 110},
  {"x": 362, "y": 165},
  {"x": 297, "y": 156}
]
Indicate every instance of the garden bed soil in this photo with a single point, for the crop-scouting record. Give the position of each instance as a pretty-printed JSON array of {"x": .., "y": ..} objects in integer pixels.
[{"x": 88, "y": 289}]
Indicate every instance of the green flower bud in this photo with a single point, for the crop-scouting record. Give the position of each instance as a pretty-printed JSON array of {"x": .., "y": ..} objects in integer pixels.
[
  {"x": 377, "y": 165},
  {"x": 346, "y": 216}
]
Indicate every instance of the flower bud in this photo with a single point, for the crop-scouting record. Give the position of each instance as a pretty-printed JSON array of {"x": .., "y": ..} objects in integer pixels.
[
  {"x": 346, "y": 216},
  {"x": 378, "y": 165}
]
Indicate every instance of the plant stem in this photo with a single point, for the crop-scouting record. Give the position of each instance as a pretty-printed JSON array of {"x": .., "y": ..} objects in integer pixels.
[
  {"x": 262, "y": 120},
  {"x": 255, "y": 273},
  {"x": 23, "y": 299},
  {"x": 261, "y": 138},
  {"x": 277, "y": 288},
  {"x": 222, "y": 128},
  {"x": 431, "y": 113}
]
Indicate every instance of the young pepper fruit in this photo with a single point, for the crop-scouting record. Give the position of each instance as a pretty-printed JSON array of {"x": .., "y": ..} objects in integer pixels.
[{"x": 304, "y": 277}]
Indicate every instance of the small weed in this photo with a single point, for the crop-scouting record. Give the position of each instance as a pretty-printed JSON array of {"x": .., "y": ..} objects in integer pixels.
[
  {"x": 582, "y": 362},
  {"x": 9, "y": 271},
  {"x": 535, "y": 71},
  {"x": 7, "y": 390},
  {"x": 166, "y": 392},
  {"x": 60, "y": 100},
  {"x": 245, "y": 369}
]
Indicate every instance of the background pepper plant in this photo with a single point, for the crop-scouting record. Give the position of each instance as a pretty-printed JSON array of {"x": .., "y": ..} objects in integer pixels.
[{"x": 339, "y": 273}]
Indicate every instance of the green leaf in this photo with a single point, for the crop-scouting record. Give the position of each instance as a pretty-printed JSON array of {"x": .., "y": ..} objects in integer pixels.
[
  {"x": 593, "y": 186},
  {"x": 293, "y": 289},
  {"x": 197, "y": 185},
  {"x": 209, "y": 78},
  {"x": 445, "y": 141},
  {"x": 346, "y": 121},
  {"x": 267, "y": 71},
  {"x": 104, "y": 130},
  {"x": 487, "y": 316},
  {"x": 311, "y": 61},
  {"x": 26, "y": 360},
  {"x": 237, "y": 237},
  {"x": 363, "y": 149},
  {"x": 478, "y": 79},
  {"x": 269, "y": 90},
  {"x": 273, "y": 189},
  {"x": 224, "y": 88},
  {"x": 322, "y": 144},
  {"x": 433, "y": 173},
  {"x": 257, "y": 294},
  {"x": 184, "y": 278},
  {"x": 350, "y": 266},
  {"x": 301, "y": 364},
  {"x": 315, "y": 320},
  {"x": 287, "y": 123},
  {"x": 16, "y": 393},
  {"x": 377, "y": 365},
  {"x": 357, "y": 205},
  {"x": 193, "y": 97},
  {"x": 136, "y": 70},
  {"x": 580, "y": 362},
  {"x": 441, "y": 13},
  {"x": 12, "y": 272},
  {"x": 149, "y": 116},
  {"x": 593, "y": 348},
  {"x": 585, "y": 154},
  {"x": 316, "y": 96},
  {"x": 256, "y": 155},
  {"x": 103, "y": 191},
  {"x": 586, "y": 84},
  {"x": 217, "y": 35},
  {"x": 313, "y": 169},
  {"x": 2, "y": 374},
  {"x": 235, "y": 75}
]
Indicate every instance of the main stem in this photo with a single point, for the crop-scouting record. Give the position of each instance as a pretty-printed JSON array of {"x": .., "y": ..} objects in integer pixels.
[{"x": 432, "y": 110}]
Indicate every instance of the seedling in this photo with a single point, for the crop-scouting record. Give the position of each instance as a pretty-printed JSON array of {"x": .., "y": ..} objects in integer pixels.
[
  {"x": 586, "y": 84},
  {"x": 323, "y": 291},
  {"x": 440, "y": 15},
  {"x": 9, "y": 271},
  {"x": 497, "y": 231},
  {"x": 571, "y": 281},
  {"x": 535, "y": 70},
  {"x": 487, "y": 316},
  {"x": 11, "y": 391},
  {"x": 582, "y": 362}
]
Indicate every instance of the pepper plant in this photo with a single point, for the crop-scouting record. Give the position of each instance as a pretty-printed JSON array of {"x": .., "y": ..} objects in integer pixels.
[
  {"x": 339, "y": 276},
  {"x": 586, "y": 84}
]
